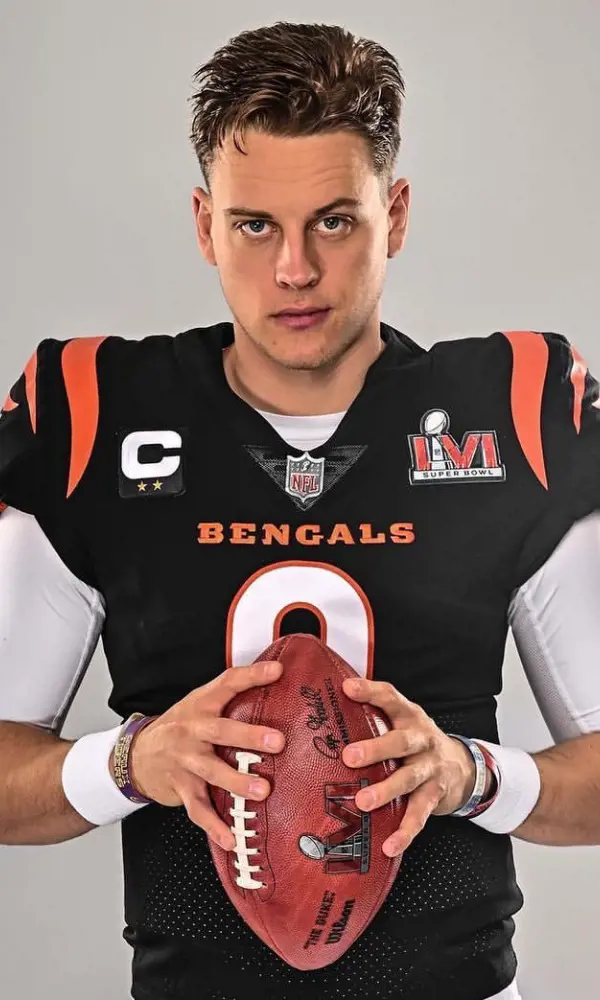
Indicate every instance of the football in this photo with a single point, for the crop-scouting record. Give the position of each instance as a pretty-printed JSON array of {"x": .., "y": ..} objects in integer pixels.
[{"x": 307, "y": 873}]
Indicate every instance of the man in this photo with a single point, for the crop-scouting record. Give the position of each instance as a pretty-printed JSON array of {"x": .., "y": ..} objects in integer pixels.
[{"x": 166, "y": 493}]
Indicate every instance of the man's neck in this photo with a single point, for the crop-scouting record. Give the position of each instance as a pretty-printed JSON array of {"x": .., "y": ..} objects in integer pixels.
[{"x": 275, "y": 389}]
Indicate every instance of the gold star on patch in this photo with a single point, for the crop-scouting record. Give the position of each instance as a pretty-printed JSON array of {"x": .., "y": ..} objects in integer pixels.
[
  {"x": 142, "y": 487},
  {"x": 157, "y": 485}
]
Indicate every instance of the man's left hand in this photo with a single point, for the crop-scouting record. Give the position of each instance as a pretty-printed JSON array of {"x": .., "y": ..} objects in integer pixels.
[{"x": 437, "y": 773}]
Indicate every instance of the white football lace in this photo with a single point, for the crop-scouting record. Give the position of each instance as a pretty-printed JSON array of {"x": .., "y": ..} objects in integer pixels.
[{"x": 241, "y": 834}]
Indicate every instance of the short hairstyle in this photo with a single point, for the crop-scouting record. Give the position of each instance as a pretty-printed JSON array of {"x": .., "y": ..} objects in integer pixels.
[{"x": 299, "y": 79}]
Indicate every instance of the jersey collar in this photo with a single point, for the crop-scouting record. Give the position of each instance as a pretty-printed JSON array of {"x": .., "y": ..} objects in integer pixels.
[{"x": 200, "y": 353}]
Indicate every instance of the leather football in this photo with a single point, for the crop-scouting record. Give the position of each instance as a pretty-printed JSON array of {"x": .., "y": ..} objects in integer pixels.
[{"x": 307, "y": 873}]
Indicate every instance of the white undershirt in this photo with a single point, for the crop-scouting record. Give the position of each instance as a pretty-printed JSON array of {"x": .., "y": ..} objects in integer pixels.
[
  {"x": 50, "y": 621},
  {"x": 304, "y": 433}
]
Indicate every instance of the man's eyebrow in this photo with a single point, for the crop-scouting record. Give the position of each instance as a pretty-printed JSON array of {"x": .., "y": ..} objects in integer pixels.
[{"x": 258, "y": 214}]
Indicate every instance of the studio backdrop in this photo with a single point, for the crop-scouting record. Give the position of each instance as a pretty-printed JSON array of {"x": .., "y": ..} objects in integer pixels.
[{"x": 501, "y": 143}]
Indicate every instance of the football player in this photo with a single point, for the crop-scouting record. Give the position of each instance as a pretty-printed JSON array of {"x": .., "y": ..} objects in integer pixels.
[{"x": 303, "y": 466}]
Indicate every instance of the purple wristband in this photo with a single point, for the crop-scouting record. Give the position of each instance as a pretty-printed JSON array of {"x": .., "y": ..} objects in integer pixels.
[{"x": 122, "y": 772}]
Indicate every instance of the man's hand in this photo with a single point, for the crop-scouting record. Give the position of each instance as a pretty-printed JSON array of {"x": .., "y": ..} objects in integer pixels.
[
  {"x": 438, "y": 772},
  {"x": 173, "y": 760}
]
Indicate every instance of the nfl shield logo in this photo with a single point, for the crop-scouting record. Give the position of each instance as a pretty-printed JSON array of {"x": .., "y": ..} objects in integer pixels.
[{"x": 304, "y": 477}]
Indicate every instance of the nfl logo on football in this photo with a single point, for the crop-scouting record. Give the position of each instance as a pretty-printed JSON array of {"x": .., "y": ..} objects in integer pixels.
[
  {"x": 436, "y": 456},
  {"x": 304, "y": 477}
]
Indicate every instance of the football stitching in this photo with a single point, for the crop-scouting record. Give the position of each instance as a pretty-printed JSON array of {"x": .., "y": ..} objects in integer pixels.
[{"x": 240, "y": 814}]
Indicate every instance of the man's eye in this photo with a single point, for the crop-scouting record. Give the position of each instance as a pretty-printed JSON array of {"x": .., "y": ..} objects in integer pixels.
[
  {"x": 253, "y": 223},
  {"x": 336, "y": 218}
]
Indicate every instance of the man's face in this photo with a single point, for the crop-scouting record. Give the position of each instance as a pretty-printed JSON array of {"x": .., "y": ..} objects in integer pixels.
[{"x": 300, "y": 256}]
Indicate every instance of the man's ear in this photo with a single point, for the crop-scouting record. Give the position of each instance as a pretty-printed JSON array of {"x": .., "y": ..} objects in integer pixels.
[
  {"x": 202, "y": 209},
  {"x": 399, "y": 204}
]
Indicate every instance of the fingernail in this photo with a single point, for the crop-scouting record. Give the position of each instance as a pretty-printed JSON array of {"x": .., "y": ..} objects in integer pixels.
[
  {"x": 353, "y": 756},
  {"x": 393, "y": 849},
  {"x": 272, "y": 669},
  {"x": 272, "y": 741},
  {"x": 353, "y": 686},
  {"x": 227, "y": 841},
  {"x": 366, "y": 801},
  {"x": 258, "y": 789}
]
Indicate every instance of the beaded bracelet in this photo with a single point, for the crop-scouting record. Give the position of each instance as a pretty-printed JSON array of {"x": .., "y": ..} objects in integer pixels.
[
  {"x": 483, "y": 762},
  {"x": 122, "y": 773}
]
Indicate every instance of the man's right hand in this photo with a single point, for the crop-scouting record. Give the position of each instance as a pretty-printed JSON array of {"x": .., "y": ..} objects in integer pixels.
[{"x": 173, "y": 760}]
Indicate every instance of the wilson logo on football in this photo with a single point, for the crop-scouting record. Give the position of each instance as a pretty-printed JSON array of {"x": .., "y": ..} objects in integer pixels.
[
  {"x": 348, "y": 849},
  {"x": 436, "y": 456}
]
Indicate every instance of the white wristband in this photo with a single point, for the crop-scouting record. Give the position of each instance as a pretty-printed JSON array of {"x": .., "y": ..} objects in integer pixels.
[
  {"x": 519, "y": 790},
  {"x": 88, "y": 784}
]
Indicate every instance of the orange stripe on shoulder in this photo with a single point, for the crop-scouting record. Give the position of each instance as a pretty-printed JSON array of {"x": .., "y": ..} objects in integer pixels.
[
  {"x": 31, "y": 369},
  {"x": 579, "y": 371},
  {"x": 30, "y": 372},
  {"x": 81, "y": 383},
  {"x": 3, "y": 507},
  {"x": 530, "y": 365},
  {"x": 9, "y": 404}
]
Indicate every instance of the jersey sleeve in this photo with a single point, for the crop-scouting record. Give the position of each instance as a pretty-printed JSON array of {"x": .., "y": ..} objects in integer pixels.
[
  {"x": 47, "y": 428},
  {"x": 21, "y": 454},
  {"x": 556, "y": 414}
]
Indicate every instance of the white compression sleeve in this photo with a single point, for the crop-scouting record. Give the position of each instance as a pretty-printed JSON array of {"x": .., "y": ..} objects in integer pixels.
[
  {"x": 50, "y": 622},
  {"x": 556, "y": 626}
]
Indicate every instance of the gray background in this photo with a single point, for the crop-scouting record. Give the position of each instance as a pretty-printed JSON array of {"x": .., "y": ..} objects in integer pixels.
[{"x": 502, "y": 146}]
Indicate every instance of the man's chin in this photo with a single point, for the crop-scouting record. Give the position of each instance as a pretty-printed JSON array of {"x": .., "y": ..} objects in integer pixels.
[
  {"x": 302, "y": 361},
  {"x": 299, "y": 353},
  {"x": 309, "y": 351}
]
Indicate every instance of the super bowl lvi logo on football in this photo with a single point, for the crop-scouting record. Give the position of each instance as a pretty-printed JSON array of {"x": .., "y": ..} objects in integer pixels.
[{"x": 437, "y": 457}]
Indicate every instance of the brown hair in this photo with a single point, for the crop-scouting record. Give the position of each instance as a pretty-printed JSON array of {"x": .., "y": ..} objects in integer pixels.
[{"x": 299, "y": 79}]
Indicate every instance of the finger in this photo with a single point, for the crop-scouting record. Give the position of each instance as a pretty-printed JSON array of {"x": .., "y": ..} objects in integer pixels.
[
  {"x": 223, "y": 688},
  {"x": 228, "y": 733},
  {"x": 382, "y": 695},
  {"x": 216, "y": 772},
  {"x": 403, "y": 781},
  {"x": 420, "y": 807},
  {"x": 194, "y": 795},
  {"x": 397, "y": 743}
]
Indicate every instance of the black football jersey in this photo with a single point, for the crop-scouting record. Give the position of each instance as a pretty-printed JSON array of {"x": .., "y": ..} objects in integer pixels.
[{"x": 450, "y": 480}]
